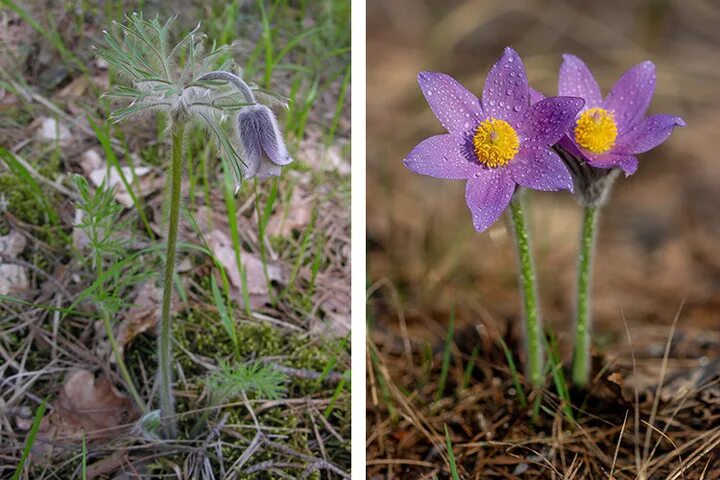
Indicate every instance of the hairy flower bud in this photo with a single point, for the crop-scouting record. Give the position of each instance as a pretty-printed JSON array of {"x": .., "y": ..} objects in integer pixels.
[{"x": 262, "y": 140}]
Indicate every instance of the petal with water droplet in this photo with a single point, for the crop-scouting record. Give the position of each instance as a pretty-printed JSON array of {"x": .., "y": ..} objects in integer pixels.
[
  {"x": 441, "y": 156},
  {"x": 540, "y": 169},
  {"x": 630, "y": 98},
  {"x": 495, "y": 99},
  {"x": 449, "y": 100},
  {"x": 487, "y": 195}
]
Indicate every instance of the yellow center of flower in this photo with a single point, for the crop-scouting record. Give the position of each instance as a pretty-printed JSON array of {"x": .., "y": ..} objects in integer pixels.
[
  {"x": 596, "y": 130},
  {"x": 495, "y": 142}
]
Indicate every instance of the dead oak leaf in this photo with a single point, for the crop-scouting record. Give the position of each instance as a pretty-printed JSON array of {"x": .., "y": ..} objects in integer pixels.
[
  {"x": 85, "y": 405},
  {"x": 286, "y": 220},
  {"x": 333, "y": 300},
  {"x": 257, "y": 284},
  {"x": 143, "y": 315}
]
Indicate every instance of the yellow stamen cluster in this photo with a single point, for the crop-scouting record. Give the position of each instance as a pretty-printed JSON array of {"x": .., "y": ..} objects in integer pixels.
[
  {"x": 596, "y": 130},
  {"x": 495, "y": 142}
]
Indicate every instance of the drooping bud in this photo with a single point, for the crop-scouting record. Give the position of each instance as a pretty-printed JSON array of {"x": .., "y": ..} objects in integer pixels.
[{"x": 264, "y": 148}]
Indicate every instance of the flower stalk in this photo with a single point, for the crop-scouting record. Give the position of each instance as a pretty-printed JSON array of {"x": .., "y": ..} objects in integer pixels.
[
  {"x": 167, "y": 405},
  {"x": 528, "y": 290},
  {"x": 582, "y": 358}
]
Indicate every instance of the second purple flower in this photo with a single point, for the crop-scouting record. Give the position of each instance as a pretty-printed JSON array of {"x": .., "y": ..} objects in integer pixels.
[{"x": 497, "y": 143}]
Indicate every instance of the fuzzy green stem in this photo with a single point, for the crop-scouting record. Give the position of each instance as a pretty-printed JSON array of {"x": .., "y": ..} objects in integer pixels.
[
  {"x": 119, "y": 359},
  {"x": 582, "y": 358},
  {"x": 167, "y": 405},
  {"x": 528, "y": 290}
]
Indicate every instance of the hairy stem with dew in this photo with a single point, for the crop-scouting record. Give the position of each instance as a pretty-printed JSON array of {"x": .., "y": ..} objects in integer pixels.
[
  {"x": 581, "y": 357},
  {"x": 528, "y": 291},
  {"x": 167, "y": 405}
]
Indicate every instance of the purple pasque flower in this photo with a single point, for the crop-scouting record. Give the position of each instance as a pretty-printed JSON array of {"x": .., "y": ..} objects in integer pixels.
[
  {"x": 497, "y": 143},
  {"x": 262, "y": 142},
  {"x": 609, "y": 133}
]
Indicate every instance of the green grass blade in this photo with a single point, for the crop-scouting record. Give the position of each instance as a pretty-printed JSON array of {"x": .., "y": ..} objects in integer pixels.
[
  {"x": 451, "y": 456},
  {"x": 338, "y": 390},
  {"x": 225, "y": 316},
  {"x": 467, "y": 374},
  {"x": 339, "y": 107},
  {"x": 447, "y": 354},
  {"x": 30, "y": 440},
  {"x": 556, "y": 369},
  {"x": 514, "y": 372},
  {"x": 84, "y": 457},
  {"x": 234, "y": 235}
]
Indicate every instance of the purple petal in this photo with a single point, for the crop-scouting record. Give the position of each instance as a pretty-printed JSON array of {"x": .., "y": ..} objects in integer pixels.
[
  {"x": 273, "y": 143},
  {"x": 576, "y": 80},
  {"x": 253, "y": 155},
  {"x": 487, "y": 195},
  {"x": 648, "y": 133},
  {"x": 457, "y": 109},
  {"x": 631, "y": 95},
  {"x": 547, "y": 120},
  {"x": 506, "y": 94},
  {"x": 441, "y": 156},
  {"x": 535, "y": 96},
  {"x": 628, "y": 163},
  {"x": 540, "y": 169}
]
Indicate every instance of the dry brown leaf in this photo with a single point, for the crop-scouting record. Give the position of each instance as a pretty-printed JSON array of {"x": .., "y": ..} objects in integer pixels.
[
  {"x": 13, "y": 277},
  {"x": 333, "y": 299},
  {"x": 138, "y": 319},
  {"x": 144, "y": 313},
  {"x": 85, "y": 405},
  {"x": 257, "y": 285},
  {"x": 295, "y": 217}
]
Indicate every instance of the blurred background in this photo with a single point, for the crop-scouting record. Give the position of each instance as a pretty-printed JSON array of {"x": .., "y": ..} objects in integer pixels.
[{"x": 659, "y": 234}]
